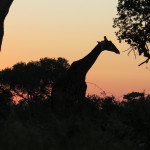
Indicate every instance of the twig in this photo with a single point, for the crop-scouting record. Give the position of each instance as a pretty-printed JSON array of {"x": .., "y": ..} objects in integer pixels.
[
  {"x": 134, "y": 53},
  {"x": 130, "y": 51},
  {"x": 96, "y": 86},
  {"x": 103, "y": 92},
  {"x": 127, "y": 49},
  {"x": 146, "y": 61}
]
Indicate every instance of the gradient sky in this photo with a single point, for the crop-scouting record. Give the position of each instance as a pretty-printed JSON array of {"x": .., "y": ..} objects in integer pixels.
[{"x": 70, "y": 28}]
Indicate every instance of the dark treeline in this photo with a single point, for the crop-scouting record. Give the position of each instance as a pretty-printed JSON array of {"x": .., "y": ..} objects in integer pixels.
[{"x": 95, "y": 123}]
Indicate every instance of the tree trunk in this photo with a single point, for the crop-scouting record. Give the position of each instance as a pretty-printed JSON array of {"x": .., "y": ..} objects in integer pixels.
[{"x": 4, "y": 9}]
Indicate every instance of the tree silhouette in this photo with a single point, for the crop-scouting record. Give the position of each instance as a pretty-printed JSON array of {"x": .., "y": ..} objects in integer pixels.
[
  {"x": 133, "y": 96},
  {"x": 133, "y": 22},
  {"x": 4, "y": 9},
  {"x": 6, "y": 101},
  {"x": 5, "y": 96},
  {"x": 34, "y": 79}
]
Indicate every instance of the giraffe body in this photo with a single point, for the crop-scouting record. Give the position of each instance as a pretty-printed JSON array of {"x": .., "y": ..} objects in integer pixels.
[
  {"x": 66, "y": 89},
  {"x": 71, "y": 88}
]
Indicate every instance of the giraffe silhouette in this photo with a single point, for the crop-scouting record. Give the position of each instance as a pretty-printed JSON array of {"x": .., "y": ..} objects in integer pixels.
[
  {"x": 71, "y": 87},
  {"x": 4, "y": 9}
]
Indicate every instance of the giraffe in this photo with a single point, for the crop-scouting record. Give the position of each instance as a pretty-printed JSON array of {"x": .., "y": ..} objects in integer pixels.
[{"x": 71, "y": 87}]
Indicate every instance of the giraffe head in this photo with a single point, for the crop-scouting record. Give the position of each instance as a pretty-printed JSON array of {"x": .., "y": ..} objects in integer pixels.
[{"x": 108, "y": 45}]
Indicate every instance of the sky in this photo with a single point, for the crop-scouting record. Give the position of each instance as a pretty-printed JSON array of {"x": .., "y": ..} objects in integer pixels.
[{"x": 36, "y": 29}]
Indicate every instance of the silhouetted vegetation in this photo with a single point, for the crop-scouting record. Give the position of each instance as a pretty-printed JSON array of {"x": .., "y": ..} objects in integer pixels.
[
  {"x": 32, "y": 81},
  {"x": 94, "y": 123},
  {"x": 133, "y": 25}
]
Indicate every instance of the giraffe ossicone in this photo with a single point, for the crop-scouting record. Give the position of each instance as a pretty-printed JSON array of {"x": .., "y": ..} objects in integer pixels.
[{"x": 108, "y": 45}]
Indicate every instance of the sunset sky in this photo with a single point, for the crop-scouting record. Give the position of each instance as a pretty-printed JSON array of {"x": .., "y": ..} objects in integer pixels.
[{"x": 70, "y": 28}]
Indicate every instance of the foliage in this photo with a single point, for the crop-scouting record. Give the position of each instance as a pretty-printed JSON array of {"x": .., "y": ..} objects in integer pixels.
[
  {"x": 133, "y": 22},
  {"x": 34, "y": 79},
  {"x": 114, "y": 125},
  {"x": 6, "y": 101},
  {"x": 133, "y": 95}
]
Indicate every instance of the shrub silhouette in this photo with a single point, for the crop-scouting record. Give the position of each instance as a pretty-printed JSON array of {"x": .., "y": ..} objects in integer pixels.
[{"x": 99, "y": 123}]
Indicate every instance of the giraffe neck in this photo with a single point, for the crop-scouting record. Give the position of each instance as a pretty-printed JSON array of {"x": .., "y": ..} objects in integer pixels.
[{"x": 83, "y": 65}]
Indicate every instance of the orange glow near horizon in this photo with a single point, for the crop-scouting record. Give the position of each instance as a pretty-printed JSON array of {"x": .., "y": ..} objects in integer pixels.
[{"x": 70, "y": 29}]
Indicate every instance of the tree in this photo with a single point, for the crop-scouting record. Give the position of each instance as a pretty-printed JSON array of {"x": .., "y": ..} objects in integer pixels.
[
  {"x": 6, "y": 102},
  {"x": 133, "y": 21},
  {"x": 4, "y": 9},
  {"x": 33, "y": 80}
]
